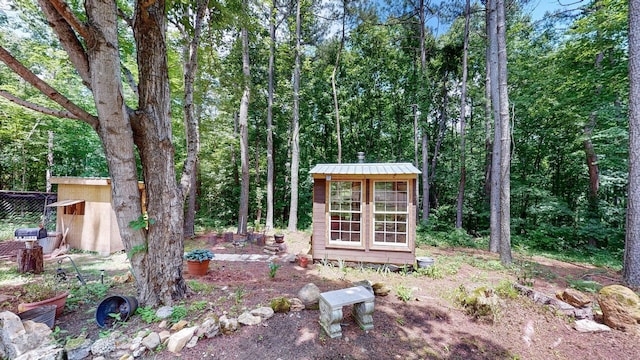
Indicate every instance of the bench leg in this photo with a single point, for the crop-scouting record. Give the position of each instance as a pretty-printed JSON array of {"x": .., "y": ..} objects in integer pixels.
[
  {"x": 330, "y": 319},
  {"x": 362, "y": 313}
]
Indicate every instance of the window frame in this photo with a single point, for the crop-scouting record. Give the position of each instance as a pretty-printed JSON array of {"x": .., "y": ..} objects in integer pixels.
[
  {"x": 394, "y": 212},
  {"x": 343, "y": 212}
]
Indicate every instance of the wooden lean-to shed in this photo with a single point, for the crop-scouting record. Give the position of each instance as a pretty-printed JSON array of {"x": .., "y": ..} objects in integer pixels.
[
  {"x": 85, "y": 213},
  {"x": 365, "y": 212}
]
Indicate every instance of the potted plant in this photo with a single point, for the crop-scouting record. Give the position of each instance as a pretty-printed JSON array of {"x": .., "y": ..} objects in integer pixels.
[
  {"x": 40, "y": 293},
  {"x": 198, "y": 261}
]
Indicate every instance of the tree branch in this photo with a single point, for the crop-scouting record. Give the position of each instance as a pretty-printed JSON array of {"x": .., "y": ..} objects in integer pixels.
[
  {"x": 68, "y": 38},
  {"x": 63, "y": 10},
  {"x": 38, "y": 108},
  {"x": 46, "y": 89}
]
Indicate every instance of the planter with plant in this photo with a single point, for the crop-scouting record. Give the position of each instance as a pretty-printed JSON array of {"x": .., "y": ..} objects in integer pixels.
[
  {"x": 198, "y": 261},
  {"x": 42, "y": 292}
]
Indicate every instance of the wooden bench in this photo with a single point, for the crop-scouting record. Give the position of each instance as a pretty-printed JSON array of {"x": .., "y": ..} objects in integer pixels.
[{"x": 331, "y": 303}]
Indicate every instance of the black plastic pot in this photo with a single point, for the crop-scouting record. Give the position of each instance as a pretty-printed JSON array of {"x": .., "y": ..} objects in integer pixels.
[
  {"x": 45, "y": 314},
  {"x": 117, "y": 307}
]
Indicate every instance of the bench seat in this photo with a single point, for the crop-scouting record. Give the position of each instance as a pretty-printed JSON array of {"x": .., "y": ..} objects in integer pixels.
[{"x": 331, "y": 303}]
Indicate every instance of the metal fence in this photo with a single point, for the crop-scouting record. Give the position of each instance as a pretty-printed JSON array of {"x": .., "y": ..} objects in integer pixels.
[{"x": 25, "y": 209}]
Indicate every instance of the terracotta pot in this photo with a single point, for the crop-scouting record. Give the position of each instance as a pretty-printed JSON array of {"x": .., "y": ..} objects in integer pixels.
[
  {"x": 58, "y": 301},
  {"x": 278, "y": 238},
  {"x": 198, "y": 268},
  {"x": 303, "y": 261}
]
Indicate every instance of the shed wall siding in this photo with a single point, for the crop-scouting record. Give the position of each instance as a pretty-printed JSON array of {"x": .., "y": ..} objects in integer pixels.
[{"x": 320, "y": 248}]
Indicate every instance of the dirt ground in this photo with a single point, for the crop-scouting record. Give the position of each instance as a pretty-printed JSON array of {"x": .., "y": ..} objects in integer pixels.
[{"x": 427, "y": 326}]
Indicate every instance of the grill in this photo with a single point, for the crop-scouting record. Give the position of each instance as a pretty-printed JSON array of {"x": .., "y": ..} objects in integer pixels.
[{"x": 30, "y": 234}]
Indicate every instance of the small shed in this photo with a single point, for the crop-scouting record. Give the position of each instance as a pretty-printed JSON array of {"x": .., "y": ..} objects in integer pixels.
[
  {"x": 365, "y": 212},
  {"x": 84, "y": 211}
]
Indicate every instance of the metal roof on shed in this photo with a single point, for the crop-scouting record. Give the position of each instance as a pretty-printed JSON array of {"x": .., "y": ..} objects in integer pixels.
[{"x": 365, "y": 169}]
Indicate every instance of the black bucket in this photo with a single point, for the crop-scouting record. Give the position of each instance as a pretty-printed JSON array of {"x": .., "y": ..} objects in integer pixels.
[
  {"x": 45, "y": 314},
  {"x": 117, "y": 308}
]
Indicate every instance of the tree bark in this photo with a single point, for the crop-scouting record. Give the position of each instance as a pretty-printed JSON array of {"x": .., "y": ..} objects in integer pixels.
[
  {"x": 463, "y": 124},
  {"x": 295, "y": 136},
  {"x": 190, "y": 58},
  {"x": 333, "y": 84},
  {"x": 492, "y": 69},
  {"x": 425, "y": 178},
  {"x": 270, "y": 160},
  {"x": 505, "y": 141},
  {"x": 591, "y": 159},
  {"x": 631, "y": 267},
  {"x": 243, "y": 211}
]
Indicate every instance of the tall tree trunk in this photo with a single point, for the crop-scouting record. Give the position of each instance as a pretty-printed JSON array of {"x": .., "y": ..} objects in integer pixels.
[
  {"x": 270, "y": 160},
  {"x": 505, "y": 141},
  {"x": 190, "y": 58},
  {"x": 425, "y": 140},
  {"x": 333, "y": 83},
  {"x": 243, "y": 211},
  {"x": 631, "y": 267},
  {"x": 591, "y": 158},
  {"x": 425, "y": 178},
  {"x": 442, "y": 126},
  {"x": 463, "y": 124},
  {"x": 295, "y": 136},
  {"x": 492, "y": 69}
]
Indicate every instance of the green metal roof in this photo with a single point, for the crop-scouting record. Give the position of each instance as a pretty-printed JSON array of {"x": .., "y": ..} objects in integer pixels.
[{"x": 365, "y": 169}]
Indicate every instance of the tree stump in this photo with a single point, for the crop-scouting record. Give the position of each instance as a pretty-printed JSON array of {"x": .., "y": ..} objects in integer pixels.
[{"x": 31, "y": 260}]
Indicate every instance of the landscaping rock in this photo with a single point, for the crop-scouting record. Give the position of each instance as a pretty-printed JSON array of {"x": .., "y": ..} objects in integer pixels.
[
  {"x": 151, "y": 341},
  {"x": 228, "y": 325},
  {"x": 164, "y": 312},
  {"x": 103, "y": 346},
  {"x": 78, "y": 349},
  {"x": 179, "y": 325},
  {"x": 589, "y": 326},
  {"x": 365, "y": 284},
  {"x": 210, "y": 327},
  {"x": 264, "y": 312},
  {"x": 380, "y": 289},
  {"x": 310, "y": 295},
  {"x": 620, "y": 308},
  {"x": 164, "y": 336},
  {"x": 296, "y": 304},
  {"x": 178, "y": 340},
  {"x": 249, "y": 320},
  {"x": 17, "y": 338},
  {"x": 574, "y": 297}
]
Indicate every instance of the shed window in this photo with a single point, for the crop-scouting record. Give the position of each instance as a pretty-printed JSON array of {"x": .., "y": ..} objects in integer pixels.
[
  {"x": 390, "y": 212},
  {"x": 345, "y": 212}
]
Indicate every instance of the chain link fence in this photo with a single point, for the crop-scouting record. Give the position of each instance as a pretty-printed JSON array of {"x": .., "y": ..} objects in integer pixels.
[{"x": 26, "y": 209}]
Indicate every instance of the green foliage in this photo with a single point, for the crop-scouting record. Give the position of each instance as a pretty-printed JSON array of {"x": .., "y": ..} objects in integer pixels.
[
  {"x": 199, "y": 255},
  {"x": 585, "y": 285},
  {"x": 481, "y": 303},
  {"x": 142, "y": 222},
  {"x": 506, "y": 290},
  {"x": 142, "y": 248},
  {"x": 404, "y": 293},
  {"x": 280, "y": 305},
  {"x": 147, "y": 314},
  {"x": 200, "y": 287},
  {"x": 273, "y": 267},
  {"x": 179, "y": 312},
  {"x": 92, "y": 293}
]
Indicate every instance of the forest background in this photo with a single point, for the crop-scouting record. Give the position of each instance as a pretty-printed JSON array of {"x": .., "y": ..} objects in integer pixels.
[{"x": 568, "y": 92}]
